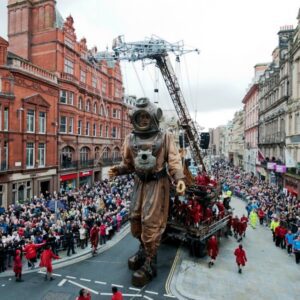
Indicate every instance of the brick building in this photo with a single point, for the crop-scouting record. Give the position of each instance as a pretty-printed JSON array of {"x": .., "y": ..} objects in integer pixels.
[{"x": 63, "y": 119}]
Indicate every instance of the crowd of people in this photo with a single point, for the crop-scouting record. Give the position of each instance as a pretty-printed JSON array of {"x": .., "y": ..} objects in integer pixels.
[
  {"x": 80, "y": 218},
  {"x": 266, "y": 204}
]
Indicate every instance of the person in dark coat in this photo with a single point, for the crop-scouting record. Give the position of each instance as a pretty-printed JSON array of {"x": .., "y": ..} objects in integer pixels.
[
  {"x": 213, "y": 250},
  {"x": 70, "y": 242},
  {"x": 241, "y": 258}
]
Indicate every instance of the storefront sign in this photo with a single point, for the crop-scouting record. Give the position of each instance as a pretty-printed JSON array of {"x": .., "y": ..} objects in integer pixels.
[
  {"x": 280, "y": 169},
  {"x": 271, "y": 166},
  {"x": 87, "y": 173},
  {"x": 68, "y": 177}
]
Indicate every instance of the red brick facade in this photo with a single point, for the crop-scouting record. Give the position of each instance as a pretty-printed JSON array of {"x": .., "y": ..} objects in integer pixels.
[{"x": 49, "y": 78}]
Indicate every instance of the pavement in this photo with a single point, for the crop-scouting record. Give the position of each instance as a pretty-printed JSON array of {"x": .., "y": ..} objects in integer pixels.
[
  {"x": 270, "y": 272},
  {"x": 81, "y": 254}
]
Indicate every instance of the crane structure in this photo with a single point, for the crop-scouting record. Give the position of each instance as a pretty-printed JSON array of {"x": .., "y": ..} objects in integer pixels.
[{"x": 157, "y": 50}]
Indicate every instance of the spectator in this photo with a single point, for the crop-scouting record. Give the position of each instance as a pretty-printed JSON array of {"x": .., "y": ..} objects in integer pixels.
[{"x": 84, "y": 295}]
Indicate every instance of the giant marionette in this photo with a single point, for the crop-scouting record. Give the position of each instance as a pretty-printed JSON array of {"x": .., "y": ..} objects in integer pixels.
[{"x": 152, "y": 155}]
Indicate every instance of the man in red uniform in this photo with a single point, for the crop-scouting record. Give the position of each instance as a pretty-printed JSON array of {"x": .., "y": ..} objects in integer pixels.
[
  {"x": 244, "y": 221},
  {"x": 240, "y": 257},
  {"x": 234, "y": 223},
  {"x": 46, "y": 261},
  {"x": 30, "y": 250},
  {"x": 84, "y": 295},
  {"x": 212, "y": 249},
  {"x": 94, "y": 236},
  {"x": 116, "y": 294},
  {"x": 18, "y": 266},
  {"x": 261, "y": 216}
]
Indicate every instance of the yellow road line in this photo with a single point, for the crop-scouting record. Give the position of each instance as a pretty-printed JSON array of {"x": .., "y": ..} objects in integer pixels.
[{"x": 169, "y": 279}]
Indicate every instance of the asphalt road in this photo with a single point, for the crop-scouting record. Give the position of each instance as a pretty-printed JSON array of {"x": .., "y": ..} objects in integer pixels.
[{"x": 97, "y": 274}]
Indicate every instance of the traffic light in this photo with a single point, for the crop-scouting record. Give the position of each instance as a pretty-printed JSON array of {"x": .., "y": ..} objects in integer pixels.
[{"x": 204, "y": 140}]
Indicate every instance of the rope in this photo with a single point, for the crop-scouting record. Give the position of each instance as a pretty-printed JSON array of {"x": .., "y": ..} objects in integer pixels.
[{"x": 139, "y": 80}]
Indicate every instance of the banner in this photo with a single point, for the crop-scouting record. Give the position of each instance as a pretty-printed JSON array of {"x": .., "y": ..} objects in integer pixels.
[
  {"x": 289, "y": 160},
  {"x": 260, "y": 156}
]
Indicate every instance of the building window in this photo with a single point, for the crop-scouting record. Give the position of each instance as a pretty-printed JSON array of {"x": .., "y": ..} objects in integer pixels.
[
  {"x": 30, "y": 120},
  {"x": 84, "y": 154},
  {"x": 79, "y": 128},
  {"x": 88, "y": 105},
  {"x": 297, "y": 123},
  {"x": 42, "y": 122},
  {"x": 29, "y": 155},
  {"x": 69, "y": 67},
  {"x": 100, "y": 129},
  {"x": 114, "y": 132},
  {"x": 80, "y": 103},
  {"x": 114, "y": 113},
  {"x": 82, "y": 76},
  {"x": 95, "y": 108},
  {"x": 42, "y": 155},
  {"x": 94, "y": 129},
  {"x": 71, "y": 125},
  {"x": 69, "y": 43},
  {"x": 63, "y": 97},
  {"x": 94, "y": 82},
  {"x": 5, "y": 125},
  {"x": 106, "y": 131},
  {"x": 87, "y": 129},
  {"x": 101, "y": 111},
  {"x": 70, "y": 98},
  {"x": 104, "y": 85},
  {"x": 4, "y": 158},
  {"x": 63, "y": 124}
]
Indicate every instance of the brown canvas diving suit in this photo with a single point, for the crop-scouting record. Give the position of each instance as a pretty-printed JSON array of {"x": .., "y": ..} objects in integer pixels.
[{"x": 150, "y": 198}]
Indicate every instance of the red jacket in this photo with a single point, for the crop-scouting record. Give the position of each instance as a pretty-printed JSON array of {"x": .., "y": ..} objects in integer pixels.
[
  {"x": 87, "y": 297},
  {"x": 46, "y": 258},
  {"x": 261, "y": 213},
  {"x": 30, "y": 250},
  {"x": 102, "y": 230},
  {"x": 94, "y": 235},
  {"x": 240, "y": 256},
  {"x": 17, "y": 264},
  {"x": 117, "y": 296},
  {"x": 212, "y": 247}
]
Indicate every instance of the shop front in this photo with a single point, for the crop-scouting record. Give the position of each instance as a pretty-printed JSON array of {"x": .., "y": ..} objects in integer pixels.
[
  {"x": 292, "y": 184},
  {"x": 68, "y": 182},
  {"x": 85, "y": 177}
]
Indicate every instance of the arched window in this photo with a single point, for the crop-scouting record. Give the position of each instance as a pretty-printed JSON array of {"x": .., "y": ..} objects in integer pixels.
[
  {"x": 116, "y": 155},
  {"x": 66, "y": 157},
  {"x": 88, "y": 105},
  {"x": 80, "y": 103},
  {"x": 84, "y": 154},
  {"x": 101, "y": 110},
  {"x": 95, "y": 108},
  {"x": 106, "y": 154},
  {"x": 97, "y": 153}
]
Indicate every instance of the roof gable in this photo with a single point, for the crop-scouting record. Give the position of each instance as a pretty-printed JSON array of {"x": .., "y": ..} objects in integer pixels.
[{"x": 36, "y": 99}]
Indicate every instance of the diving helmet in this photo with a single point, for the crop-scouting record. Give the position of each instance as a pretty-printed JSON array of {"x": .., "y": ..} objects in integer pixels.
[{"x": 145, "y": 116}]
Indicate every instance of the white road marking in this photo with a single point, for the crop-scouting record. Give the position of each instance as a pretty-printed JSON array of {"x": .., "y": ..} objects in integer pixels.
[
  {"x": 3, "y": 284},
  {"x": 150, "y": 292},
  {"x": 132, "y": 295},
  {"x": 83, "y": 279},
  {"x": 84, "y": 287},
  {"x": 100, "y": 282},
  {"x": 148, "y": 298},
  {"x": 117, "y": 285},
  {"x": 71, "y": 277},
  {"x": 106, "y": 294},
  {"x": 135, "y": 289},
  {"x": 9, "y": 279},
  {"x": 54, "y": 274},
  {"x": 170, "y": 296},
  {"x": 62, "y": 282}
]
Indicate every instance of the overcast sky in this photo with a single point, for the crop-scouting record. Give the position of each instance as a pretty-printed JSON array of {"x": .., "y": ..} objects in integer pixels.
[{"x": 232, "y": 35}]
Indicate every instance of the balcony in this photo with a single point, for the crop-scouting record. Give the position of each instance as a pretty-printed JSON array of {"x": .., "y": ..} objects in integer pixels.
[
  {"x": 66, "y": 164},
  {"x": 110, "y": 161},
  {"x": 86, "y": 163},
  {"x": 275, "y": 138},
  {"x": 3, "y": 166}
]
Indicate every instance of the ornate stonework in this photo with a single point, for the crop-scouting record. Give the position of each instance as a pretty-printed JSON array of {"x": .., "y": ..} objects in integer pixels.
[{"x": 37, "y": 99}]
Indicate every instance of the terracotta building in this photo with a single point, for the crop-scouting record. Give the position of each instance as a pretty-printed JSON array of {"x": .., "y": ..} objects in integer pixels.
[{"x": 53, "y": 80}]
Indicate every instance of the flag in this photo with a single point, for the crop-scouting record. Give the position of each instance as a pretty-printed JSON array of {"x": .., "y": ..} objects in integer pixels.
[{"x": 260, "y": 156}]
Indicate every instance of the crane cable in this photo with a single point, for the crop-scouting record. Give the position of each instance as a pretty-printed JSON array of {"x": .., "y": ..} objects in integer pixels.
[{"x": 139, "y": 80}]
